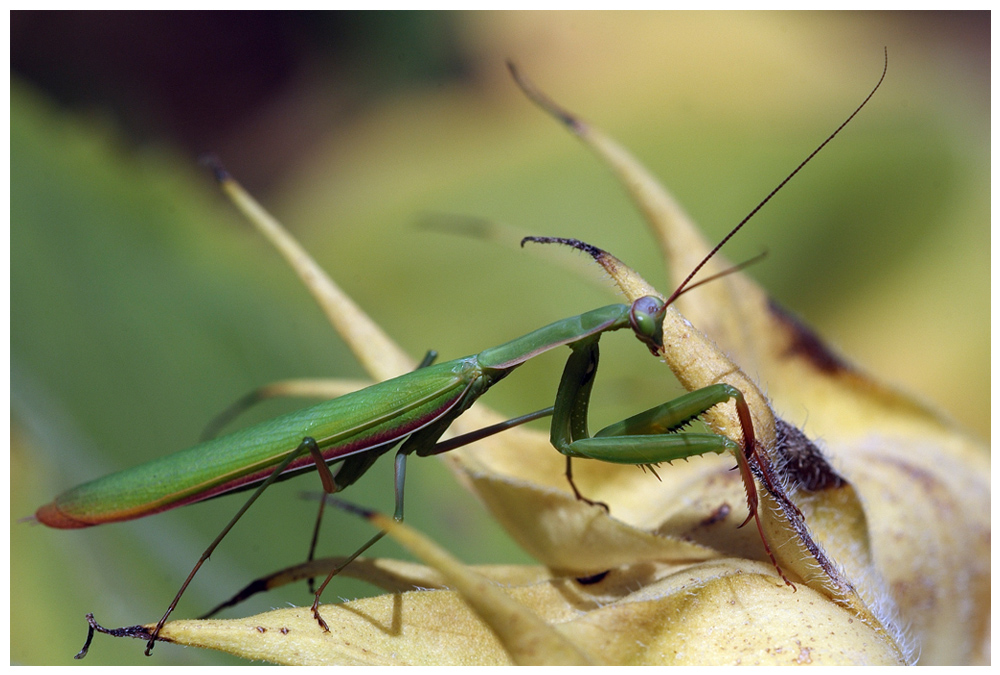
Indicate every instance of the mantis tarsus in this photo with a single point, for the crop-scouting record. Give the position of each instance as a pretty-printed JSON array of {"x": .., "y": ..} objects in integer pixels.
[{"x": 415, "y": 410}]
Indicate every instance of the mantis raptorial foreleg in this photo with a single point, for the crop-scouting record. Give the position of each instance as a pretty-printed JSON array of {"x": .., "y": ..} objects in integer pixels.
[{"x": 651, "y": 437}]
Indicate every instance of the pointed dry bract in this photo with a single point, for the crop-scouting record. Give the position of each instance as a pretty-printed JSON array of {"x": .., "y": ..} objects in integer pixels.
[{"x": 896, "y": 544}]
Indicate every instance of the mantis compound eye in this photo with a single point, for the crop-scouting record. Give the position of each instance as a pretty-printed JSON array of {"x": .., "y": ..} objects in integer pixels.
[{"x": 646, "y": 317}]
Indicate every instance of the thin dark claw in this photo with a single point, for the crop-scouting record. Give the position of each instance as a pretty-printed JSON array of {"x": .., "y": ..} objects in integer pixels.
[
  {"x": 90, "y": 637},
  {"x": 604, "y": 506},
  {"x": 319, "y": 619},
  {"x": 139, "y": 632}
]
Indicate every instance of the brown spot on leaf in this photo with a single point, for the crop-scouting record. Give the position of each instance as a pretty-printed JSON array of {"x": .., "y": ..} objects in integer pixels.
[
  {"x": 717, "y": 515},
  {"x": 804, "y": 343},
  {"x": 593, "y": 578}
]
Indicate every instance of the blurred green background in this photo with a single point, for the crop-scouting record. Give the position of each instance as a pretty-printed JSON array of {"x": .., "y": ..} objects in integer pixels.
[{"x": 141, "y": 305}]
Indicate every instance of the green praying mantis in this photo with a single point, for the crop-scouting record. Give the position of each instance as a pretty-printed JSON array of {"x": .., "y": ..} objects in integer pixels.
[{"x": 342, "y": 438}]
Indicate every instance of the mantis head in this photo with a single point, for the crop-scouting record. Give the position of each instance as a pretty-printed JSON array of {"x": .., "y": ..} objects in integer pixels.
[{"x": 646, "y": 318}]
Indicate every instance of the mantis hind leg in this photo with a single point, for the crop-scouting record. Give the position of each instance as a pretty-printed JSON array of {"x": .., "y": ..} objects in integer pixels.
[
  {"x": 295, "y": 572},
  {"x": 424, "y": 443},
  {"x": 428, "y": 359},
  {"x": 307, "y": 445},
  {"x": 398, "y": 481}
]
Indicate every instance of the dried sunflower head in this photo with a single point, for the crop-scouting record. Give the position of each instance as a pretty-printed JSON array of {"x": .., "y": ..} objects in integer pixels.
[{"x": 879, "y": 518}]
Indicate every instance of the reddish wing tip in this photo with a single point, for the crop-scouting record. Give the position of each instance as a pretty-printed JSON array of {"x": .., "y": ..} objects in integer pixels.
[{"x": 51, "y": 515}]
